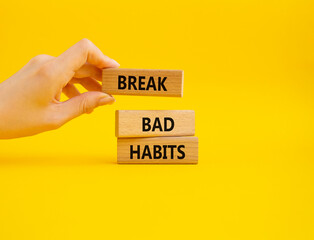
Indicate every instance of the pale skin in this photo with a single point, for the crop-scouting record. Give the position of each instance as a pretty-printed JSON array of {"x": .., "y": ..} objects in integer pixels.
[{"x": 30, "y": 99}]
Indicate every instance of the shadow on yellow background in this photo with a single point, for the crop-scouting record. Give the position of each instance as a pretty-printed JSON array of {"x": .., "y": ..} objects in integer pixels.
[{"x": 249, "y": 77}]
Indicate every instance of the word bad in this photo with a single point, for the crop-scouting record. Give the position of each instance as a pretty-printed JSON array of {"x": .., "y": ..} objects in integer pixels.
[
  {"x": 138, "y": 83},
  {"x": 147, "y": 126},
  {"x": 154, "y": 123},
  {"x": 157, "y": 151}
]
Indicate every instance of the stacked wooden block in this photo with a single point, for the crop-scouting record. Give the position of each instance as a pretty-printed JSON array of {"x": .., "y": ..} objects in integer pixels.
[
  {"x": 159, "y": 136},
  {"x": 152, "y": 136}
]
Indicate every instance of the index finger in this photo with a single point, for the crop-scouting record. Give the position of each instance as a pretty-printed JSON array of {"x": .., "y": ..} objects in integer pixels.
[{"x": 80, "y": 53}]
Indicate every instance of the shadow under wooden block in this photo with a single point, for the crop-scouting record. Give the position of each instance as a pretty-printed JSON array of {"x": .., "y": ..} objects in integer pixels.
[
  {"x": 178, "y": 150},
  {"x": 142, "y": 82}
]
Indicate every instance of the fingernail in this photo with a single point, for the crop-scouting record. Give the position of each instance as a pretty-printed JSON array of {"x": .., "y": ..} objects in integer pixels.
[
  {"x": 104, "y": 95},
  {"x": 107, "y": 100},
  {"x": 115, "y": 63}
]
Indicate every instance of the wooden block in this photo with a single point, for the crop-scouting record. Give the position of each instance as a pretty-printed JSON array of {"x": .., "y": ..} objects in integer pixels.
[
  {"x": 143, "y": 82},
  {"x": 142, "y": 123},
  {"x": 158, "y": 150}
]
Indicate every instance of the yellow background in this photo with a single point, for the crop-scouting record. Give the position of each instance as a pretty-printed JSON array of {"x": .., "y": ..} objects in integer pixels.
[{"x": 249, "y": 75}]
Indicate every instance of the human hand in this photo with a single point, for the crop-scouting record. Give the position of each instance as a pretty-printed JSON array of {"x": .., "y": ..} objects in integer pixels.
[{"x": 30, "y": 99}]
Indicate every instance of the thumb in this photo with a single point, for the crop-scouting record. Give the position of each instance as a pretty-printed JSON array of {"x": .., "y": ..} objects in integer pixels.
[{"x": 84, "y": 103}]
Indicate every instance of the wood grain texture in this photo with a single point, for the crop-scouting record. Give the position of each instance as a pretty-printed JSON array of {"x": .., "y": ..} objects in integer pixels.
[
  {"x": 190, "y": 150},
  {"x": 167, "y": 83},
  {"x": 129, "y": 123}
]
